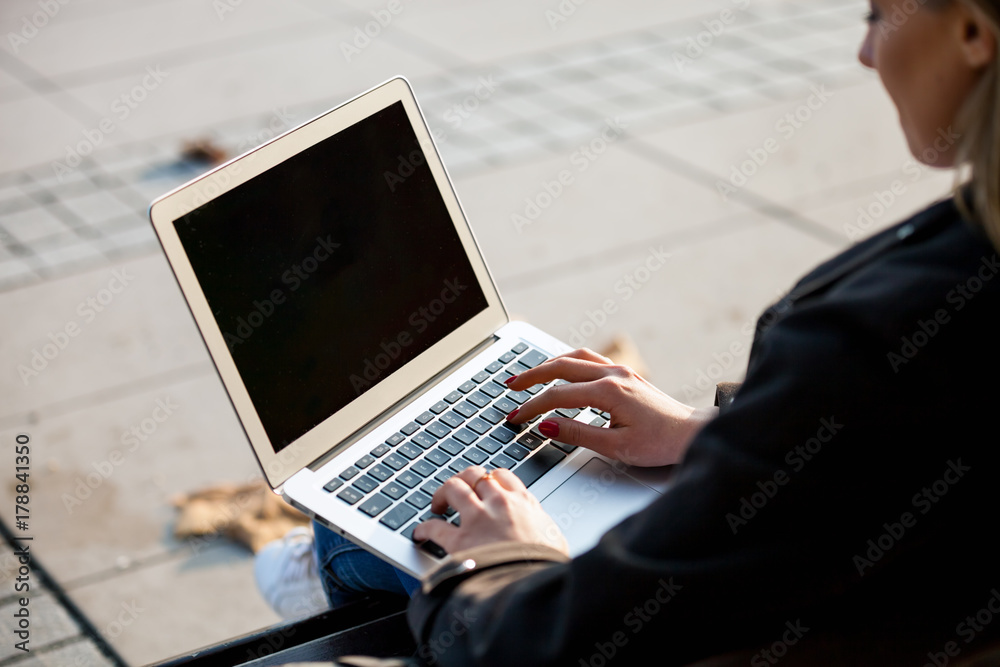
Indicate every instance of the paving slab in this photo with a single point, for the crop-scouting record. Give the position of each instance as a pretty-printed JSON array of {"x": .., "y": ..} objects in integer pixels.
[{"x": 177, "y": 606}]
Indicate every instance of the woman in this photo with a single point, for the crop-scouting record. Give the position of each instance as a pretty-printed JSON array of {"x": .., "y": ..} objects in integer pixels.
[{"x": 842, "y": 493}]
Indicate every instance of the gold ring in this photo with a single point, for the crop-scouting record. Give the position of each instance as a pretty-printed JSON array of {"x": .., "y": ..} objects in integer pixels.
[{"x": 488, "y": 475}]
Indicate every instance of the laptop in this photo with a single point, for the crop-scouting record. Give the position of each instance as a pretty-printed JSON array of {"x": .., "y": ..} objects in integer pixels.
[{"x": 362, "y": 341}]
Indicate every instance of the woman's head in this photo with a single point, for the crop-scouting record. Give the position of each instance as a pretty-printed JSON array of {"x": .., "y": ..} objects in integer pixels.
[{"x": 938, "y": 61}]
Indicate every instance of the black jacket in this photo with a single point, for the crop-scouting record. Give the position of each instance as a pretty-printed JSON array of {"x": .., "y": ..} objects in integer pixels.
[{"x": 850, "y": 488}]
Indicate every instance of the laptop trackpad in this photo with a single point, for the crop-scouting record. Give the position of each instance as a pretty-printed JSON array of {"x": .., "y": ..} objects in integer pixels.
[{"x": 595, "y": 499}]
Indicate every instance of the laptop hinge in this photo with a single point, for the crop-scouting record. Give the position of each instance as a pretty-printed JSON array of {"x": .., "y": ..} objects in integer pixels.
[{"x": 399, "y": 405}]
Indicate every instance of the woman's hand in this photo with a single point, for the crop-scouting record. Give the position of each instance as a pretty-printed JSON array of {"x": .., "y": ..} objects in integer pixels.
[
  {"x": 648, "y": 428},
  {"x": 494, "y": 508}
]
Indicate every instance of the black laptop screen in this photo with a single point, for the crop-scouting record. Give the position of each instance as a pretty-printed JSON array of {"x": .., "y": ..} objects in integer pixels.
[{"x": 331, "y": 271}]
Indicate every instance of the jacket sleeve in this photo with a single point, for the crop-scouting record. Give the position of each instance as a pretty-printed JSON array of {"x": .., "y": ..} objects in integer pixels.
[{"x": 759, "y": 529}]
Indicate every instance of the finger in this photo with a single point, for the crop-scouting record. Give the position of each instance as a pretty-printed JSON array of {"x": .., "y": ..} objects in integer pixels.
[
  {"x": 571, "y": 432},
  {"x": 507, "y": 480},
  {"x": 457, "y": 494},
  {"x": 440, "y": 532},
  {"x": 585, "y": 354},
  {"x": 580, "y": 395},
  {"x": 566, "y": 368}
]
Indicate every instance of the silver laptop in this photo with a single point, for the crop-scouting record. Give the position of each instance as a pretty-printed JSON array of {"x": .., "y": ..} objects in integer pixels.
[{"x": 360, "y": 336}]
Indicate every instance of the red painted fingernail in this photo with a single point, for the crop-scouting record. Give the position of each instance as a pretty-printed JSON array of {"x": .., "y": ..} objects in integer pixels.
[
  {"x": 511, "y": 379},
  {"x": 549, "y": 429},
  {"x": 513, "y": 414}
]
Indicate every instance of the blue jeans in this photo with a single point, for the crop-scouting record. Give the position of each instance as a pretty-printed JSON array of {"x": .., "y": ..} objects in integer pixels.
[{"x": 348, "y": 572}]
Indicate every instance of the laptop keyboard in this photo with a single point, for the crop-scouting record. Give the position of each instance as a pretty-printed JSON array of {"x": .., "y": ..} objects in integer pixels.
[{"x": 394, "y": 483}]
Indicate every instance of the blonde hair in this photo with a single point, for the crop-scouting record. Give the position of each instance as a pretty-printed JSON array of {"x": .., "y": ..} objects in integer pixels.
[{"x": 978, "y": 149}]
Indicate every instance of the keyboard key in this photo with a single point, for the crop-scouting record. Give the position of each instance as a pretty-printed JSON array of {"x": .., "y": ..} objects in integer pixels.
[
  {"x": 495, "y": 367},
  {"x": 476, "y": 455},
  {"x": 425, "y": 418},
  {"x": 517, "y": 452},
  {"x": 531, "y": 441},
  {"x": 433, "y": 548},
  {"x": 517, "y": 369},
  {"x": 458, "y": 465},
  {"x": 481, "y": 377},
  {"x": 424, "y": 468},
  {"x": 439, "y": 457},
  {"x": 380, "y": 472},
  {"x": 492, "y": 389},
  {"x": 439, "y": 430},
  {"x": 569, "y": 449},
  {"x": 452, "y": 420},
  {"x": 382, "y": 450},
  {"x": 504, "y": 461},
  {"x": 480, "y": 426},
  {"x": 539, "y": 464},
  {"x": 532, "y": 359},
  {"x": 410, "y": 428},
  {"x": 431, "y": 486},
  {"x": 489, "y": 445},
  {"x": 479, "y": 399},
  {"x": 599, "y": 422},
  {"x": 453, "y": 446},
  {"x": 395, "y": 440},
  {"x": 502, "y": 377},
  {"x": 395, "y": 461},
  {"x": 398, "y": 517},
  {"x": 365, "y": 461},
  {"x": 466, "y": 409},
  {"x": 521, "y": 347},
  {"x": 519, "y": 397},
  {"x": 419, "y": 499},
  {"x": 410, "y": 451},
  {"x": 408, "y": 533},
  {"x": 425, "y": 439},
  {"x": 467, "y": 387},
  {"x": 350, "y": 473},
  {"x": 453, "y": 397},
  {"x": 503, "y": 434},
  {"x": 365, "y": 484},
  {"x": 467, "y": 437},
  {"x": 508, "y": 357},
  {"x": 493, "y": 416},
  {"x": 394, "y": 490},
  {"x": 445, "y": 475},
  {"x": 568, "y": 413},
  {"x": 409, "y": 479},
  {"x": 334, "y": 484},
  {"x": 506, "y": 406},
  {"x": 534, "y": 390},
  {"x": 350, "y": 495},
  {"x": 439, "y": 407}
]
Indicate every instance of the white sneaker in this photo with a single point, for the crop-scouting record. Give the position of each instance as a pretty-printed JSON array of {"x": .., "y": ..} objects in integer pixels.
[{"x": 287, "y": 575}]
